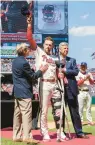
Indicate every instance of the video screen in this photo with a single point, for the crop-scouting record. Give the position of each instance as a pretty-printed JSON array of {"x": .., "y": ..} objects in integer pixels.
[
  {"x": 50, "y": 17},
  {"x": 12, "y": 21}
]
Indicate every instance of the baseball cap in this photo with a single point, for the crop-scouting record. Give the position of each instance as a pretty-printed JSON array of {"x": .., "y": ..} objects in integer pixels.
[{"x": 84, "y": 63}]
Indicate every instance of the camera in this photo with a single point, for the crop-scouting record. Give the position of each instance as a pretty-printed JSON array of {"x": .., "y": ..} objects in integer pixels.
[{"x": 25, "y": 10}]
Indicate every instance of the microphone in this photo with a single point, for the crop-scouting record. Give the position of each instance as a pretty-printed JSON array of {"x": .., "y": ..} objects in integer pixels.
[{"x": 60, "y": 64}]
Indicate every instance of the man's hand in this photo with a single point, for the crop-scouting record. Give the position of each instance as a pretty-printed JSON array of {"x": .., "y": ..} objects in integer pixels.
[
  {"x": 64, "y": 69},
  {"x": 60, "y": 75},
  {"x": 43, "y": 68},
  {"x": 29, "y": 19}
]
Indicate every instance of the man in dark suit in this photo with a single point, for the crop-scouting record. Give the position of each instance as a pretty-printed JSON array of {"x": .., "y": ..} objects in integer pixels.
[
  {"x": 23, "y": 80},
  {"x": 71, "y": 89}
]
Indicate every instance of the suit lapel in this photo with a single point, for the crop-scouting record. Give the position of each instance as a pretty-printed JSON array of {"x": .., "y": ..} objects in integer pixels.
[{"x": 68, "y": 62}]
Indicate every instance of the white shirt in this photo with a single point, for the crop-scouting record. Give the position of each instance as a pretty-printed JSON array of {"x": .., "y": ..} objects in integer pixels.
[
  {"x": 86, "y": 83},
  {"x": 41, "y": 59}
]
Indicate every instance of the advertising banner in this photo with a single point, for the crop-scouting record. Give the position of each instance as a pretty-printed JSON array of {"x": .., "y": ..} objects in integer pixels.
[{"x": 20, "y": 37}]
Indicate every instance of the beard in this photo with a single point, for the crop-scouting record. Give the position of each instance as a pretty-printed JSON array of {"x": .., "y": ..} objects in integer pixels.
[{"x": 48, "y": 51}]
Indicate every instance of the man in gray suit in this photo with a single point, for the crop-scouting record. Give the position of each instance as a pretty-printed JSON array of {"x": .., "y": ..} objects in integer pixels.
[{"x": 70, "y": 70}]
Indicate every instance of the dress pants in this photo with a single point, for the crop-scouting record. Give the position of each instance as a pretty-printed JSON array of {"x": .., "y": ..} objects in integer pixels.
[
  {"x": 72, "y": 102},
  {"x": 84, "y": 98},
  {"x": 48, "y": 91},
  {"x": 22, "y": 118},
  {"x": 35, "y": 113}
]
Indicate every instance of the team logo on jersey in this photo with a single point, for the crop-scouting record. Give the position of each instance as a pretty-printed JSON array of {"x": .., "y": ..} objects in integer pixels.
[{"x": 48, "y": 60}]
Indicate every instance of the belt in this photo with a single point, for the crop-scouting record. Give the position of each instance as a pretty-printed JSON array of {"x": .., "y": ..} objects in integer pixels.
[
  {"x": 84, "y": 90},
  {"x": 48, "y": 80}
]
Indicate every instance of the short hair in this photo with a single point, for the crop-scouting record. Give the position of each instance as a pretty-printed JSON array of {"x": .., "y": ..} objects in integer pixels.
[
  {"x": 21, "y": 48},
  {"x": 63, "y": 44},
  {"x": 49, "y": 38}
]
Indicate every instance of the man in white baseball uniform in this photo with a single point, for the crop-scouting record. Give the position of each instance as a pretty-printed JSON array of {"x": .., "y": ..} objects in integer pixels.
[
  {"x": 48, "y": 83},
  {"x": 84, "y": 80}
]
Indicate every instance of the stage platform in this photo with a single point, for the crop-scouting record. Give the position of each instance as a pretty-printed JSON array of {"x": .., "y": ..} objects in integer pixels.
[{"x": 7, "y": 133}]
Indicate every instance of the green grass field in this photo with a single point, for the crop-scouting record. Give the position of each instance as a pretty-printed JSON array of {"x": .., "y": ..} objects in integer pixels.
[{"x": 86, "y": 128}]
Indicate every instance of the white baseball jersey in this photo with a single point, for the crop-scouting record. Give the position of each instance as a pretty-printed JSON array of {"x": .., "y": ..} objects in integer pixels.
[
  {"x": 41, "y": 59},
  {"x": 86, "y": 83}
]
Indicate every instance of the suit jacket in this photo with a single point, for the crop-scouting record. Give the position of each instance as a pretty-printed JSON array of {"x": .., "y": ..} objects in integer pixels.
[
  {"x": 71, "y": 72},
  {"x": 23, "y": 78}
]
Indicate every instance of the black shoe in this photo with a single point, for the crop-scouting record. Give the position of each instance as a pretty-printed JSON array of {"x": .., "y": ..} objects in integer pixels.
[
  {"x": 83, "y": 136},
  {"x": 37, "y": 128},
  {"x": 64, "y": 132}
]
